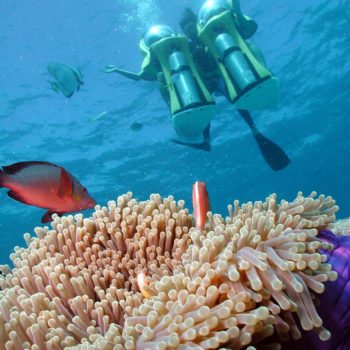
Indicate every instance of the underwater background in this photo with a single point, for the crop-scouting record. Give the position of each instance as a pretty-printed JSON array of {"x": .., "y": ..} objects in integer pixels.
[{"x": 306, "y": 45}]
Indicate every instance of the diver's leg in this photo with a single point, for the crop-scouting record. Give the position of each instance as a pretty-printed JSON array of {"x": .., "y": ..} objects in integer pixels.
[
  {"x": 206, "y": 138},
  {"x": 206, "y": 134}
]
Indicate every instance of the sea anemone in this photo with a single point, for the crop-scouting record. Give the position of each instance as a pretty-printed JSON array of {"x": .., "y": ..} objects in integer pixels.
[
  {"x": 256, "y": 271},
  {"x": 342, "y": 227}
]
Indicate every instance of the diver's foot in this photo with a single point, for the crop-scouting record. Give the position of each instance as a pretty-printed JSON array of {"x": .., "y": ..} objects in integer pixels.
[{"x": 205, "y": 146}]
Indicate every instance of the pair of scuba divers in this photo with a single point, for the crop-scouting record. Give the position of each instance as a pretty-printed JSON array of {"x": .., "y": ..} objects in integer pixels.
[{"x": 215, "y": 55}]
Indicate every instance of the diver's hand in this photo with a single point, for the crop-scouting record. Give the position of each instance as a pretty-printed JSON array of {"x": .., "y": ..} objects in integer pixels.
[
  {"x": 131, "y": 75},
  {"x": 109, "y": 69}
]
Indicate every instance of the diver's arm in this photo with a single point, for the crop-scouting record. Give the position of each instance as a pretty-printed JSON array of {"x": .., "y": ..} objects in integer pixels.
[
  {"x": 246, "y": 26},
  {"x": 125, "y": 73}
]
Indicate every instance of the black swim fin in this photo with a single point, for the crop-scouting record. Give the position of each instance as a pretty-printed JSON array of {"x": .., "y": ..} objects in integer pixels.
[
  {"x": 272, "y": 153},
  {"x": 274, "y": 156}
]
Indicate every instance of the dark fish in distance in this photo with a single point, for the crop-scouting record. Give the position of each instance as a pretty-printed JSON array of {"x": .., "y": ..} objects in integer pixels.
[
  {"x": 67, "y": 79},
  {"x": 136, "y": 126},
  {"x": 45, "y": 185}
]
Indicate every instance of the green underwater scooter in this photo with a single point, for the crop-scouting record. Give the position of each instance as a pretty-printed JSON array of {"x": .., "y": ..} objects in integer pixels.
[
  {"x": 191, "y": 104},
  {"x": 250, "y": 85}
]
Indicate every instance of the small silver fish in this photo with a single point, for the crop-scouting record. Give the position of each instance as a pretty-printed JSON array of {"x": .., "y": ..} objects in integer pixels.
[
  {"x": 101, "y": 115},
  {"x": 67, "y": 79}
]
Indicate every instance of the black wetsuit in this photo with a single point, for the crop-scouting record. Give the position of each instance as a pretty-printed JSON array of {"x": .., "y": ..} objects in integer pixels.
[{"x": 206, "y": 65}]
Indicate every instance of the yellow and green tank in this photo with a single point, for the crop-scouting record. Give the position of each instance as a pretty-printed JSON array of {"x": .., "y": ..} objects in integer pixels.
[{"x": 250, "y": 85}]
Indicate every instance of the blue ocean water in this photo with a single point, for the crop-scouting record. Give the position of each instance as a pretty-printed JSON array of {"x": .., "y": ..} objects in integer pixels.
[{"x": 306, "y": 45}]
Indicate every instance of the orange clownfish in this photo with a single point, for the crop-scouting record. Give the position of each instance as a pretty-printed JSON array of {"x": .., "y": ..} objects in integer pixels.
[
  {"x": 141, "y": 283},
  {"x": 201, "y": 205},
  {"x": 46, "y": 186}
]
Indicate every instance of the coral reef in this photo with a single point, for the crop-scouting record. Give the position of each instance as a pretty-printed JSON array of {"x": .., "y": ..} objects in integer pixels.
[{"x": 246, "y": 275}]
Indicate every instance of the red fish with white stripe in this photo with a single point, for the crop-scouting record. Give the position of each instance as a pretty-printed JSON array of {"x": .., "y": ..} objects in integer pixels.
[{"x": 45, "y": 185}]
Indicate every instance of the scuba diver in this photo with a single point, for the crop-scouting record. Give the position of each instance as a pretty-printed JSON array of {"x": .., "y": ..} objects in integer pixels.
[{"x": 216, "y": 55}]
